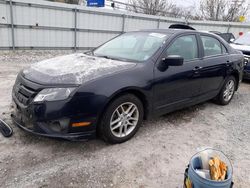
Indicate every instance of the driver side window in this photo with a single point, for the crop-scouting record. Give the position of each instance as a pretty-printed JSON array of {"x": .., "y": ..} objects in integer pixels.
[{"x": 184, "y": 46}]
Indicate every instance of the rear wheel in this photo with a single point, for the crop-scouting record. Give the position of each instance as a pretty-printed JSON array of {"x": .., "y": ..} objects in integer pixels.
[
  {"x": 227, "y": 92},
  {"x": 122, "y": 119}
]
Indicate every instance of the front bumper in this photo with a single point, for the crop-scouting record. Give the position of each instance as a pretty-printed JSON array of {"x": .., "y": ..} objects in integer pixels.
[
  {"x": 40, "y": 129},
  {"x": 28, "y": 118}
]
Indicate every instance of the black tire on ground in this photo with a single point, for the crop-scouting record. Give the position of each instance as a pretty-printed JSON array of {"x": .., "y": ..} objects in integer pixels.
[
  {"x": 221, "y": 99},
  {"x": 105, "y": 123}
]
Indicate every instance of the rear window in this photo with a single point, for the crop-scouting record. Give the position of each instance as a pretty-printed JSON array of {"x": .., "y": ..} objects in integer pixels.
[{"x": 212, "y": 46}]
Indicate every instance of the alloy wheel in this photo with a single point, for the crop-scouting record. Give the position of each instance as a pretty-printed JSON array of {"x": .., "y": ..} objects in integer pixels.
[
  {"x": 124, "y": 119},
  {"x": 229, "y": 90}
]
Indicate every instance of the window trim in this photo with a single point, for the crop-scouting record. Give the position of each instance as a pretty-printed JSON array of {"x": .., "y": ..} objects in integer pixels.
[
  {"x": 224, "y": 47},
  {"x": 183, "y": 35},
  {"x": 210, "y": 56}
]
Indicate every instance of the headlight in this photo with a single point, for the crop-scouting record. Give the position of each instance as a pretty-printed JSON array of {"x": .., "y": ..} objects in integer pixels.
[{"x": 53, "y": 94}]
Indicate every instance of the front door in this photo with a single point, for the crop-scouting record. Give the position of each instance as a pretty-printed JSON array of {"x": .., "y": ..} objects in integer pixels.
[{"x": 178, "y": 84}]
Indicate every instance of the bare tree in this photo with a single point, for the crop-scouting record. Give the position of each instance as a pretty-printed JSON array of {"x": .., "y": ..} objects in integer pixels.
[
  {"x": 177, "y": 12},
  {"x": 212, "y": 9},
  {"x": 183, "y": 12},
  {"x": 161, "y": 8},
  {"x": 236, "y": 9},
  {"x": 153, "y": 7},
  {"x": 223, "y": 9}
]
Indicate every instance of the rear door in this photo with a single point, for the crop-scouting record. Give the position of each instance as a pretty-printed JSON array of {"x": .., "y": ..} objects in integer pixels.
[
  {"x": 178, "y": 84},
  {"x": 214, "y": 64}
]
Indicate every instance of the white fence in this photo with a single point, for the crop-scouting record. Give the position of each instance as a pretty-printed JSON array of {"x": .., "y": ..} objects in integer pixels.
[{"x": 37, "y": 24}]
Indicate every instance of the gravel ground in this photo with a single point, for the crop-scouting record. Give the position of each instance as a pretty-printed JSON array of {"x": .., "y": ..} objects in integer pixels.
[{"x": 155, "y": 157}]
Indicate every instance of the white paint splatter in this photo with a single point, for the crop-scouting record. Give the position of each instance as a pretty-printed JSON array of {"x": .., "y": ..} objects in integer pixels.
[{"x": 73, "y": 69}]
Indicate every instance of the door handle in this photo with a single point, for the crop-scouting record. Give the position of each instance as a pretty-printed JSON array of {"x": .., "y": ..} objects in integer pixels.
[
  {"x": 229, "y": 63},
  {"x": 197, "y": 68}
]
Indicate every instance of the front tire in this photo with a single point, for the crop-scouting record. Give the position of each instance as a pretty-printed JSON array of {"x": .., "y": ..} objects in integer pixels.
[
  {"x": 122, "y": 119},
  {"x": 227, "y": 92}
]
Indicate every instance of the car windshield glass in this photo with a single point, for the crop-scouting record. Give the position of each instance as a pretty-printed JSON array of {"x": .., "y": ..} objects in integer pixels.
[
  {"x": 244, "y": 39},
  {"x": 137, "y": 46}
]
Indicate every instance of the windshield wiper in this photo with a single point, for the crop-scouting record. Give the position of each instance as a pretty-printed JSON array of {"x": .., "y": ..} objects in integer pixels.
[
  {"x": 104, "y": 56},
  {"x": 113, "y": 58},
  {"x": 108, "y": 57}
]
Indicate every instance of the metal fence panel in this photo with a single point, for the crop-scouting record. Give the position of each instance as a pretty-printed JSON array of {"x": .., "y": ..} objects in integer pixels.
[
  {"x": 210, "y": 28},
  {"x": 5, "y": 34},
  {"x": 236, "y": 30},
  {"x": 4, "y": 13},
  {"x": 132, "y": 24},
  {"x": 43, "y": 24},
  {"x": 42, "y": 17},
  {"x": 164, "y": 25},
  {"x": 99, "y": 22},
  {"x": 43, "y": 38},
  {"x": 91, "y": 40}
]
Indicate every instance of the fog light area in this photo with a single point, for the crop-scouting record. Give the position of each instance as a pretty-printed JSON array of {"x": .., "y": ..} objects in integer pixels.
[{"x": 59, "y": 125}]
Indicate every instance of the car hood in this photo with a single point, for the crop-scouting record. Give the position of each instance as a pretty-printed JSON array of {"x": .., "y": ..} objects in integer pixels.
[
  {"x": 73, "y": 69},
  {"x": 240, "y": 47}
]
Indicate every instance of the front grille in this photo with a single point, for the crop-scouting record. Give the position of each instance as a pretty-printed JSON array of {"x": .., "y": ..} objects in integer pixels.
[{"x": 24, "y": 94}]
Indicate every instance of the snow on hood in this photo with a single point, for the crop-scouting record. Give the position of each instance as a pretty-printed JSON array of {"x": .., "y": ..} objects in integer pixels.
[
  {"x": 240, "y": 47},
  {"x": 73, "y": 69}
]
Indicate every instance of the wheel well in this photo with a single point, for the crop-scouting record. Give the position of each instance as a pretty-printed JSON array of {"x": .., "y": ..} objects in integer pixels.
[
  {"x": 236, "y": 76},
  {"x": 138, "y": 94}
]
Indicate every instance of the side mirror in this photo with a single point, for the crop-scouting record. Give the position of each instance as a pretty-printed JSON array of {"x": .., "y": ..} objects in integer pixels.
[{"x": 172, "y": 60}]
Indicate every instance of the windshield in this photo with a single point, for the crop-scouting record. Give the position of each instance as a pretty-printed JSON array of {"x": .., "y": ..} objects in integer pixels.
[
  {"x": 244, "y": 39},
  {"x": 137, "y": 46}
]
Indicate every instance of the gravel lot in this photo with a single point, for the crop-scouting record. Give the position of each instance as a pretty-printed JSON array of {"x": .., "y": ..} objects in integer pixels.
[{"x": 155, "y": 157}]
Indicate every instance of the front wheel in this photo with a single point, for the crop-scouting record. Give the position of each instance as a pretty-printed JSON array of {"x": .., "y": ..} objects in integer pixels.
[
  {"x": 122, "y": 119},
  {"x": 227, "y": 92}
]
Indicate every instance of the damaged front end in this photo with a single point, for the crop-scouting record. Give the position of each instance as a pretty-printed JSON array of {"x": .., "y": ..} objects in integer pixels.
[{"x": 35, "y": 111}]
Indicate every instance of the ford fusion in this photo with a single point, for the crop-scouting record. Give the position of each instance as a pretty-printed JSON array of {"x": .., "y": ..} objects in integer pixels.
[{"x": 135, "y": 76}]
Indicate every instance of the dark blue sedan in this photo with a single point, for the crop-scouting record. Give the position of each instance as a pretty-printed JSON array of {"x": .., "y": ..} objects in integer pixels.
[{"x": 135, "y": 76}]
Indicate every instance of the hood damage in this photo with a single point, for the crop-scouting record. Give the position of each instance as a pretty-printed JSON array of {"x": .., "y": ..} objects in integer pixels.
[{"x": 73, "y": 69}]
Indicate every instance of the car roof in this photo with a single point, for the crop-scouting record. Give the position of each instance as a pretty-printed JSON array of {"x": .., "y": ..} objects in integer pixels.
[
  {"x": 176, "y": 31},
  {"x": 170, "y": 31}
]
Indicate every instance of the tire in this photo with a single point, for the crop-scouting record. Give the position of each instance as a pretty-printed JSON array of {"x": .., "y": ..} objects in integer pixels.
[
  {"x": 122, "y": 119},
  {"x": 228, "y": 87}
]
